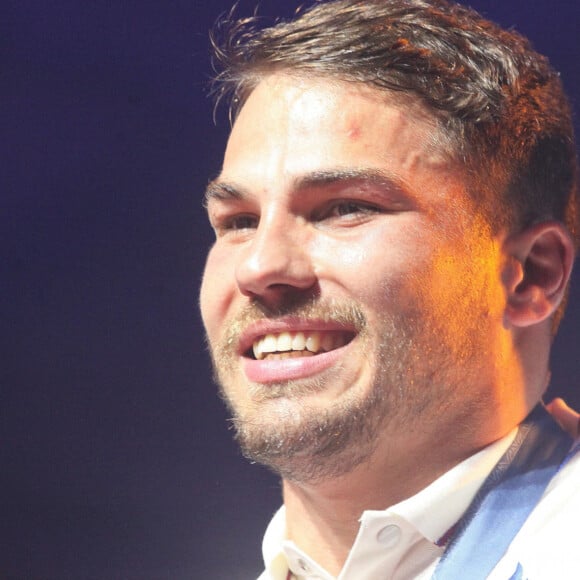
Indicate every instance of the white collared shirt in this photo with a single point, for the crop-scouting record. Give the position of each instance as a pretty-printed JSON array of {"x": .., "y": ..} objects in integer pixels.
[{"x": 401, "y": 542}]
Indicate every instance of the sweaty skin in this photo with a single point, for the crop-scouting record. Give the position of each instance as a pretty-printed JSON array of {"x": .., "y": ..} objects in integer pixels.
[
  {"x": 568, "y": 419},
  {"x": 337, "y": 213}
]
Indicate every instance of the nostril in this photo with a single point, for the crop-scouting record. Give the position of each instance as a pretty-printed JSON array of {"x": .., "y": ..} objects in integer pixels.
[{"x": 271, "y": 264}]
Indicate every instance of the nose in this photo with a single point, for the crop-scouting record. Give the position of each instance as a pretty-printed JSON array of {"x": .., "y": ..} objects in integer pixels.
[{"x": 276, "y": 263}]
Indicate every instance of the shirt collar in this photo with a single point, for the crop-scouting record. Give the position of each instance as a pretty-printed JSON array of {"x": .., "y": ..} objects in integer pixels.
[
  {"x": 432, "y": 511},
  {"x": 438, "y": 507},
  {"x": 272, "y": 546}
]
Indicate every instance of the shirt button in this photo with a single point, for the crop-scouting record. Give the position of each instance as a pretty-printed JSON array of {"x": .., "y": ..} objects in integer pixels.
[
  {"x": 389, "y": 536},
  {"x": 304, "y": 567}
]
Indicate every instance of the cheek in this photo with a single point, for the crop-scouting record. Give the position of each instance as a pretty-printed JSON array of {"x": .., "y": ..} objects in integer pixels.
[
  {"x": 372, "y": 266},
  {"x": 215, "y": 292}
]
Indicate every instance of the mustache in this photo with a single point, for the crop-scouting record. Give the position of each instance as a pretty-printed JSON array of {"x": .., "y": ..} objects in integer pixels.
[{"x": 344, "y": 312}]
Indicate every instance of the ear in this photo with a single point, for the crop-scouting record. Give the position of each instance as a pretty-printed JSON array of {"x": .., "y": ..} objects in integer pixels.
[{"x": 540, "y": 262}]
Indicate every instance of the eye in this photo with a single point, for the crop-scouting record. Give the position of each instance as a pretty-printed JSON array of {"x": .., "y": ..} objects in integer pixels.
[
  {"x": 234, "y": 224},
  {"x": 349, "y": 209},
  {"x": 241, "y": 222}
]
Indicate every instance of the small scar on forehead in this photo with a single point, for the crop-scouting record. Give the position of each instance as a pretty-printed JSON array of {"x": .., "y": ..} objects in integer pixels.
[{"x": 353, "y": 131}]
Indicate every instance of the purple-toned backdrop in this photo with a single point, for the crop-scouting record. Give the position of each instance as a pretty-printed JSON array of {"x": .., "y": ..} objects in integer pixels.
[{"x": 115, "y": 457}]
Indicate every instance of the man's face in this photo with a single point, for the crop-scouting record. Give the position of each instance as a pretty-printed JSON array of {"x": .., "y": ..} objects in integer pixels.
[{"x": 352, "y": 294}]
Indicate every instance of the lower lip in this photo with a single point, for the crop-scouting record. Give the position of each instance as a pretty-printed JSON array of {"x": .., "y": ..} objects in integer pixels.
[{"x": 290, "y": 369}]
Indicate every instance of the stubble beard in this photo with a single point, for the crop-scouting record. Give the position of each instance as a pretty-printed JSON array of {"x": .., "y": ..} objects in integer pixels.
[{"x": 303, "y": 442}]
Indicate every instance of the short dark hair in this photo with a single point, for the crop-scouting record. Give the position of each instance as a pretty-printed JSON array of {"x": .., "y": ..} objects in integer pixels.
[{"x": 498, "y": 102}]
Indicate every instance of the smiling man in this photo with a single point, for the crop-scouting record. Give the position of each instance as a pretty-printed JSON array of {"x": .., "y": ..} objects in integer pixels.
[{"x": 396, "y": 221}]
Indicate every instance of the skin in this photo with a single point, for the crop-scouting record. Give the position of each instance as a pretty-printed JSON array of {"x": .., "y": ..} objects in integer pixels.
[
  {"x": 335, "y": 210},
  {"x": 568, "y": 418}
]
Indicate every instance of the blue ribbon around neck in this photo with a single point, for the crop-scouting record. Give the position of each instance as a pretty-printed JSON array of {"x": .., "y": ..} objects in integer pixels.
[{"x": 505, "y": 500}]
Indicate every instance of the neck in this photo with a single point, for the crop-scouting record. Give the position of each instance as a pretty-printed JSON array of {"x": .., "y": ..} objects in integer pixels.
[{"x": 322, "y": 516}]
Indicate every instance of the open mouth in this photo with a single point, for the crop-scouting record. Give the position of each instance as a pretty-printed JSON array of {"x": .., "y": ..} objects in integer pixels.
[{"x": 297, "y": 344}]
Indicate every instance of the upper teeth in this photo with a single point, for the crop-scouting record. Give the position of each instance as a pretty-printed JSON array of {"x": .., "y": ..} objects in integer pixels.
[{"x": 299, "y": 341}]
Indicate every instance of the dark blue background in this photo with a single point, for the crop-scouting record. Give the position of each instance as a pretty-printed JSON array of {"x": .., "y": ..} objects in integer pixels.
[{"x": 115, "y": 458}]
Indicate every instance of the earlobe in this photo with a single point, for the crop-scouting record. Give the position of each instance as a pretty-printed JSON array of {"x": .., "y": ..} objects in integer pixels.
[{"x": 539, "y": 265}]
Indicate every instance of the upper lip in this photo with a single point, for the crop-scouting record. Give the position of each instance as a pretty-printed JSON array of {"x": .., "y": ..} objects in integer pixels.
[{"x": 261, "y": 328}]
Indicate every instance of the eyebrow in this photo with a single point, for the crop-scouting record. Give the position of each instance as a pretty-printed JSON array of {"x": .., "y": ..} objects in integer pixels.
[
  {"x": 339, "y": 176},
  {"x": 222, "y": 190}
]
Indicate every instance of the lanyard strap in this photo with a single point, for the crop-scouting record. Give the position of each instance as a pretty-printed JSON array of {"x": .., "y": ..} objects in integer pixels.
[{"x": 506, "y": 499}]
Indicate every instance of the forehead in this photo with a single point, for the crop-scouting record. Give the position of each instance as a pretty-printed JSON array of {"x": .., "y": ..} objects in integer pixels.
[
  {"x": 290, "y": 128},
  {"x": 294, "y": 125}
]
